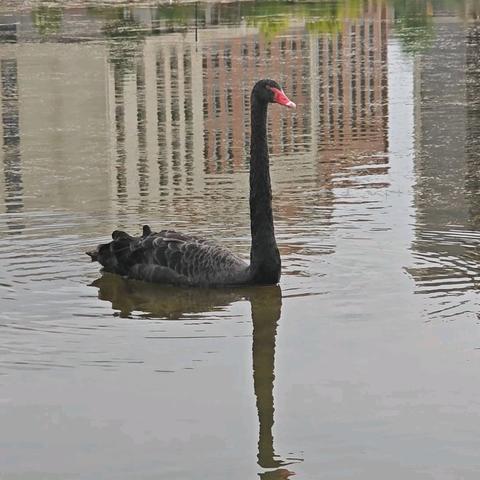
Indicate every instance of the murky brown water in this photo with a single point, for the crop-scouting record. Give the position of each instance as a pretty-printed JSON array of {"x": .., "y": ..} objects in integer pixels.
[{"x": 363, "y": 363}]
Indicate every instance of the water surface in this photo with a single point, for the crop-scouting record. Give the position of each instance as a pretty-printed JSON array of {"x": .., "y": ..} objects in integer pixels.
[{"x": 363, "y": 362}]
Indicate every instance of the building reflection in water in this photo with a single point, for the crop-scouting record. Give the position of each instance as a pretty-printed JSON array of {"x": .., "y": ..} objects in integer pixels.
[
  {"x": 183, "y": 113},
  {"x": 175, "y": 111},
  {"x": 12, "y": 163},
  {"x": 156, "y": 301},
  {"x": 473, "y": 123},
  {"x": 447, "y": 165}
]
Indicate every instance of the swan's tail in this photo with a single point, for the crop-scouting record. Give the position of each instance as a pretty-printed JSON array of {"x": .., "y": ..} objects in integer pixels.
[
  {"x": 116, "y": 256},
  {"x": 93, "y": 254}
]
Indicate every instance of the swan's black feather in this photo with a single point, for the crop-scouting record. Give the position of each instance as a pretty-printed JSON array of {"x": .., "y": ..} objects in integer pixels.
[{"x": 170, "y": 257}]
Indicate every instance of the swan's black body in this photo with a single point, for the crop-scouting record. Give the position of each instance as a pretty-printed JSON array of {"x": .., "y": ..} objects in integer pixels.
[{"x": 175, "y": 258}]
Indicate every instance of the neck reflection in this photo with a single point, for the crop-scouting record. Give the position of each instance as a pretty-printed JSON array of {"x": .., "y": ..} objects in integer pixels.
[{"x": 266, "y": 310}]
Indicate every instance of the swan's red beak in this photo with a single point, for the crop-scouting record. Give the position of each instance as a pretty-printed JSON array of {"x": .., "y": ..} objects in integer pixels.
[{"x": 281, "y": 98}]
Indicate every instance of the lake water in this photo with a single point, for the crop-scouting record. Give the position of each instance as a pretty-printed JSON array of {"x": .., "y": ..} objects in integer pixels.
[{"x": 363, "y": 362}]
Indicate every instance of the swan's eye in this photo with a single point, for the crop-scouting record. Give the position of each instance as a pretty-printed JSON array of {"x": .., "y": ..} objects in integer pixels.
[{"x": 280, "y": 98}]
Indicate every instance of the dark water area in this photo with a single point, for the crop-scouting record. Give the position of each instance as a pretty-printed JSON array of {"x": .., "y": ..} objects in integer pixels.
[{"x": 363, "y": 362}]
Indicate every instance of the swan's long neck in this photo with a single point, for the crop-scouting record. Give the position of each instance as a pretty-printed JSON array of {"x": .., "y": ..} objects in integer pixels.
[{"x": 264, "y": 256}]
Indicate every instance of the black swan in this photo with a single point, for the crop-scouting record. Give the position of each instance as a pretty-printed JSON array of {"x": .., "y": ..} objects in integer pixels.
[{"x": 174, "y": 258}]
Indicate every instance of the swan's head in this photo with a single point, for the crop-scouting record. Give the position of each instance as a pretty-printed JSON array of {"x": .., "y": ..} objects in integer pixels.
[{"x": 270, "y": 91}]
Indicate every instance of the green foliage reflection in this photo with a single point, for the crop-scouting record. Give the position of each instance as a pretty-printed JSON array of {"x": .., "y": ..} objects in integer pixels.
[
  {"x": 47, "y": 19},
  {"x": 413, "y": 24},
  {"x": 273, "y": 18},
  {"x": 126, "y": 36},
  {"x": 412, "y": 18}
]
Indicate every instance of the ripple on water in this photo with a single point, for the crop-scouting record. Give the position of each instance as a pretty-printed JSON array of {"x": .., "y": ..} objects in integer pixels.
[{"x": 446, "y": 271}]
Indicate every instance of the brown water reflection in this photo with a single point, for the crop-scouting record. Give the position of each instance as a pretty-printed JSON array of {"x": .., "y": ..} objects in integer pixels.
[{"x": 364, "y": 360}]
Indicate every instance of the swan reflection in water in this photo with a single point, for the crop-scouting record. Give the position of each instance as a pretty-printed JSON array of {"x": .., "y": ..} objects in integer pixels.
[{"x": 157, "y": 301}]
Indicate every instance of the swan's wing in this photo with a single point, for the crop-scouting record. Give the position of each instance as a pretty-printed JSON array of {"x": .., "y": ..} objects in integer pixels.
[
  {"x": 170, "y": 257},
  {"x": 196, "y": 260}
]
